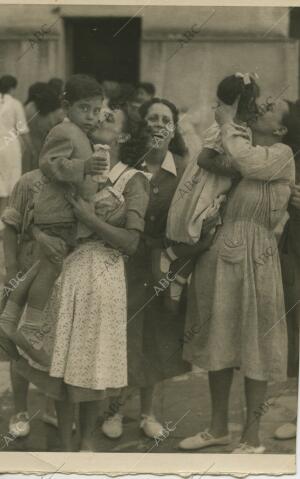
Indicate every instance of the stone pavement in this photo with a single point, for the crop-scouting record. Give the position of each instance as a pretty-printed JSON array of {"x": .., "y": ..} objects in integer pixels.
[{"x": 182, "y": 403}]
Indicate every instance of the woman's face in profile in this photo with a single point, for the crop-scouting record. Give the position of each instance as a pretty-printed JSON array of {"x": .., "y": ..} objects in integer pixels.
[
  {"x": 160, "y": 122},
  {"x": 110, "y": 126},
  {"x": 270, "y": 117}
]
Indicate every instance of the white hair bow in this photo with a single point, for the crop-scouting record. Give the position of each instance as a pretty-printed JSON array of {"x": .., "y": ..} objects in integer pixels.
[{"x": 246, "y": 77}]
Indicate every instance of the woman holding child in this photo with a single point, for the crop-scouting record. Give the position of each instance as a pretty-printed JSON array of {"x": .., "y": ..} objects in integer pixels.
[
  {"x": 236, "y": 296},
  {"x": 87, "y": 313}
]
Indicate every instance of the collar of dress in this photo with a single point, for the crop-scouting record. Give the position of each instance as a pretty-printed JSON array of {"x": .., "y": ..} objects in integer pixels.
[
  {"x": 168, "y": 164},
  {"x": 119, "y": 169}
]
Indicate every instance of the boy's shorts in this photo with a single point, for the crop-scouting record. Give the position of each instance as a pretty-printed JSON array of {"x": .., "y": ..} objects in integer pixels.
[{"x": 65, "y": 231}]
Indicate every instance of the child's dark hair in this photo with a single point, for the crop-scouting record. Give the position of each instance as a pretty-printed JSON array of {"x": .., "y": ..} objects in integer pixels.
[
  {"x": 81, "y": 86},
  {"x": 292, "y": 122},
  {"x": 148, "y": 87},
  {"x": 7, "y": 82},
  {"x": 244, "y": 86},
  {"x": 57, "y": 85},
  {"x": 47, "y": 101}
]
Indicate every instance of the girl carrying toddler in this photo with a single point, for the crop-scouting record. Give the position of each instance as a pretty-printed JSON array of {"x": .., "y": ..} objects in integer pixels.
[{"x": 195, "y": 211}]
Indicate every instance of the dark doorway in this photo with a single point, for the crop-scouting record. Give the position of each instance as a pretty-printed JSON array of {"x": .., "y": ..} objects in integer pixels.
[
  {"x": 107, "y": 47},
  {"x": 295, "y": 22},
  {"x": 295, "y": 33}
]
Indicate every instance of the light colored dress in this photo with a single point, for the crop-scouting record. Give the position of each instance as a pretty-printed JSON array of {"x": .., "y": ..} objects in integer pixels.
[
  {"x": 90, "y": 347},
  {"x": 235, "y": 300},
  {"x": 12, "y": 125},
  {"x": 97, "y": 294}
]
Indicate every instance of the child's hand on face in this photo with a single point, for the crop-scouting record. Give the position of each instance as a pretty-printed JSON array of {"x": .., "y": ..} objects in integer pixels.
[{"x": 226, "y": 113}]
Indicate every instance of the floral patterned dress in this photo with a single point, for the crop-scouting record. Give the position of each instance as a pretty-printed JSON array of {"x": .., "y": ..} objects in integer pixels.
[
  {"x": 235, "y": 300},
  {"x": 86, "y": 316}
]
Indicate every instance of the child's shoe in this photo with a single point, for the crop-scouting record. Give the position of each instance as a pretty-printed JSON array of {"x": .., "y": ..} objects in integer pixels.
[{"x": 19, "y": 425}]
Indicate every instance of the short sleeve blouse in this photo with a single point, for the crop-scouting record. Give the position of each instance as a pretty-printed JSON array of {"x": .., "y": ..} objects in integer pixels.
[
  {"x": 19, "y": 209},
  {"x": 137, "y": 195}
]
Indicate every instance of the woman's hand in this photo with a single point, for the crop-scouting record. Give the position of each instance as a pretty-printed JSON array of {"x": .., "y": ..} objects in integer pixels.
[
  {"x": 54, "y": 248},
  {"x": 104, "y": 208},
  {"x": 83, "y": 210},
  {"x": 295, "y": 197},
  {"x": 226, "y": 113}
]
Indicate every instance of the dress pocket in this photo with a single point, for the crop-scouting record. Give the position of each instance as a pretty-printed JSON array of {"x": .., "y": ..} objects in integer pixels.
[
  {"x": 232, "y": 250},
  {"x": 232, "y": 253}
]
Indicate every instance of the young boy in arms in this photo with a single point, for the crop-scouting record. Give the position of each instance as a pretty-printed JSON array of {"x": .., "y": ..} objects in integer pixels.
[{"x": 68, "y": 162}]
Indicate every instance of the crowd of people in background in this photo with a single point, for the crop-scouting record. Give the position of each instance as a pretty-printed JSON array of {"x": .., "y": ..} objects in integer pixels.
[{"x": 184, "y": 235}]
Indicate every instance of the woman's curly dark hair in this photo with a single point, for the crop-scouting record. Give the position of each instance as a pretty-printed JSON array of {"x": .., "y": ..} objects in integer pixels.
[{"x": 132, "y": 150}]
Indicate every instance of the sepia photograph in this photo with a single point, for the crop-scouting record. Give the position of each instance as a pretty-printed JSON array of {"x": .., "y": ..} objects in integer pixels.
[{"x": 149, "y": 236}]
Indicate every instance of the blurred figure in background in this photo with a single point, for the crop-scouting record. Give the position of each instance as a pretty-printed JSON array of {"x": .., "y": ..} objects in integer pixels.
[
  {"x": 289, "y": 248},
  {"x": 111, "y": 90},
  {"x": 126, "y": 99},
  {"x": 145, "y": 91},
  {"x": 57, "y": 86},
  {"x": 43, "y": 111},
  {"x": 13, "y": 138},
  {"x": 188, "y": 131}
]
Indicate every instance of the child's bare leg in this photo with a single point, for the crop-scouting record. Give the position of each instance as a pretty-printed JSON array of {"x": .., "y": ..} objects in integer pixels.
[
  {"x": 30, "y": 335},
  {"x": 13, "y": 310},
  {"x": 179, "y": 272},
  {"x": 17, "y": 295},
  {"x": 183, "y": 259}
]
